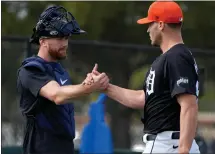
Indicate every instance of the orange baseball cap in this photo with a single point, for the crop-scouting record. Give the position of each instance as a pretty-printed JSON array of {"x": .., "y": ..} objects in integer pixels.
[{"x": 165, "y": 11}]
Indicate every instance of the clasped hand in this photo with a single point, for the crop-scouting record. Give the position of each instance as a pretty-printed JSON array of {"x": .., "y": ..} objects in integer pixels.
[{"x": 98, "y": 81}]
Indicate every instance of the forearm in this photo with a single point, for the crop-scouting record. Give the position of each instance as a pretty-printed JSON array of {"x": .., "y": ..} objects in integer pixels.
[
  {"x": 127, "y": 97},
  {"x": 65, "y": 93},
  {"x": 188, "y": 125}
]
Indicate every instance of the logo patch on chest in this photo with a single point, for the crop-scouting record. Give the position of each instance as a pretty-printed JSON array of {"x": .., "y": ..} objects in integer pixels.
[
  {"x": 150, "y": 82},
  {"x": 63, "y": 81}
]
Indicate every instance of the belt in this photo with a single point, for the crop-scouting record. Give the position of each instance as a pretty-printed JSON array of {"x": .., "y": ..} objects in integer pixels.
[{"x": 175, "y": 135}]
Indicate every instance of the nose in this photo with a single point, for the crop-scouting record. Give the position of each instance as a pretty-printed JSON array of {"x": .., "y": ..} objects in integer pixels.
[{"x": 65, "y": 40}]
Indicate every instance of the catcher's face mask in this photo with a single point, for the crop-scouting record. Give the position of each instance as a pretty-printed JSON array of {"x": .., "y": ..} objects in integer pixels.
[{"x": 55, "y": 21}]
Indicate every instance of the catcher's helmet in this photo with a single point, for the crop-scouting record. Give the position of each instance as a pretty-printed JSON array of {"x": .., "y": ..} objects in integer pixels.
[{"x": 55, "y": 21}]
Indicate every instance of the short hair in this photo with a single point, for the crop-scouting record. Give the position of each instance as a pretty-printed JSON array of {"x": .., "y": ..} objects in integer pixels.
[{"x": 175, "y": 25}]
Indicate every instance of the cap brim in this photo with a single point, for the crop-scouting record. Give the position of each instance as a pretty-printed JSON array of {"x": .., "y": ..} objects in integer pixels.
[
  {"x": 144, "y": 21},
  {"x": 82, "y": 31}
]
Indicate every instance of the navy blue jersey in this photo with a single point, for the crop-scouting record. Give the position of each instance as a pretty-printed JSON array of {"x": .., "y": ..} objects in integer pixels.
[
  {"x": 50, "y": 128},
  {"x": 173, "y": 73}
]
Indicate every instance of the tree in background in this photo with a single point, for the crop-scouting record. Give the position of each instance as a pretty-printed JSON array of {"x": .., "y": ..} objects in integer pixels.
[{"x": 110, "y": 22}]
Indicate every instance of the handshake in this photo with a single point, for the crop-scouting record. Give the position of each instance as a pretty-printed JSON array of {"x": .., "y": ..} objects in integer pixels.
[{"x": 96, "y": 80}]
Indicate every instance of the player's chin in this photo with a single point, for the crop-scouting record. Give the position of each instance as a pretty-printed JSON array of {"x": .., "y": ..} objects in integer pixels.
[
  {"x": 63, "y": 53},
  {"x": 62, "y": 56},
  {"x": 154, "y": 43}
]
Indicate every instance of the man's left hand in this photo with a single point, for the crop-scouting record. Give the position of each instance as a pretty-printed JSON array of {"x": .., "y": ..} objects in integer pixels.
[{"x": 91, "y": 77}]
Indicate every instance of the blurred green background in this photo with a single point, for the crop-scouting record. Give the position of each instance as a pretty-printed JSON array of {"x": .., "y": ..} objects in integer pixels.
[{"x": 121, "y": 48}]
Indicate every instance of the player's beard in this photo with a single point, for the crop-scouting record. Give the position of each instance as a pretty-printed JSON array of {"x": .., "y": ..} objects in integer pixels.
[{"x": 58, "y": 53}]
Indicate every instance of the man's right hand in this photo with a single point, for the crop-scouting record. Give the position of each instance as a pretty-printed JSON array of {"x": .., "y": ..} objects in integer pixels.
[
  {"x": 130, "y": 98},
  {"x": 98, "y": 81}
]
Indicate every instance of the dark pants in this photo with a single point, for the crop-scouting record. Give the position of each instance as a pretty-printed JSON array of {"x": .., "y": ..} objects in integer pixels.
[{"x": 46, "y": 143}]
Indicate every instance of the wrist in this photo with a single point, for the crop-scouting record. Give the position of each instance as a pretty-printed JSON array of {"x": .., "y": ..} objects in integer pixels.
[
  {"x": 87, "y": 88},
  {"x": 105, "y": 90},
  {"x": 109, "y": 86}
]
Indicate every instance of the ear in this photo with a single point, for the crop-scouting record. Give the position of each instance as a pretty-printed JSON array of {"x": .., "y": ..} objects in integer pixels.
[
  {"x": 161, "y": 25},
  {"x": 42, "y": 42}
]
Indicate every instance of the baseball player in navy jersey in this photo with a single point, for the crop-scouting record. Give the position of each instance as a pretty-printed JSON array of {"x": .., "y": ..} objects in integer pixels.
[
  {"x": 169, "y": 97},
  {"x": 46, "y": 89}
]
